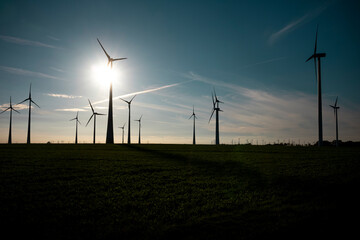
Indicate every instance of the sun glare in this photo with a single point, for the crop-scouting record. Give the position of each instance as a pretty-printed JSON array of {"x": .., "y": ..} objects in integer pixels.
[{"x": 104, "y": 75}]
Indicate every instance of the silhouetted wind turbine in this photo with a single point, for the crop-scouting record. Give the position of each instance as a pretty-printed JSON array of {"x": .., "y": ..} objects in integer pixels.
[
  {"x": 29, "y": 120},
  {"x": 335, "y": 107},
  {"x": 193, "y": 115},
  {"x": 93, "y": 115},
  {"x": 318, "y": 56},
  {"x": 77, "y": 121},
  {"x": 11, "y": 109},
  {"x": 110, "y": 128},
  {"x": 122, "y": 133},
  {"x": 110, "y": 59},
  {"x": 139, "y": 120},
  {"x": 129, "y": 105},
  {"x": 216, "y": 108}
]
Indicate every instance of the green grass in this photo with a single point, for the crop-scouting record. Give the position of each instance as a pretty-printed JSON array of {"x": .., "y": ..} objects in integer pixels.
[{"x": 178, "y": 191}]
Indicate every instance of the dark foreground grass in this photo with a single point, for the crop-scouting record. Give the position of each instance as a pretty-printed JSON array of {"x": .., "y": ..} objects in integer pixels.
[{"x": 178, "y": 192}]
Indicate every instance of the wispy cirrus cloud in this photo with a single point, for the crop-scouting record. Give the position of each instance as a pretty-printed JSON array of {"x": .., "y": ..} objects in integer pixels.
[
  {"x": 28, "y": 73},
  {"x": 57, "y": 69},
  {"x": 263, "y": 62},
  {"x": 15, "y": 106},
  {"x": 22, "y": 41},
  {"x": 295, "y": 24},
  {"x": 70, "y": 110},
  {"x": 53, "y": 38},
  {"x": 62, "y": 95}
]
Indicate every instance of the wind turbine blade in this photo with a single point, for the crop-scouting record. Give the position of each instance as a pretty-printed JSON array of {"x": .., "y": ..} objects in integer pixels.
[
  {"x": 212, "y": 114},
  {"x": 15, "y": 110},
  {"x": 125, "y": 100},
  {"x": 5, "y": 110},
  {"x": 103, "y": 49},
  {"x": 22, "y": 101},
  {"x": 124, "y": 125},
  {"x": 317, "y": 27},
  {"x": 191, "y": 116},
  {"x": 132, "y": 98},
  {"x": 216, "y": 99},
  {"x": 312, "y": 56},
  {"x": 30, "y": 92},
  {"x": 100, "y": 114},
  {"x": 92, "y": 109},
  {"x": 78, "y": 121},
  {"x": 72, "y": 119},
  {"x": 116, "y": 59},
  {"x": 34, "y": 103},
  {"x": 336, "y": 101},
  {"x": 89, "y": 120}
]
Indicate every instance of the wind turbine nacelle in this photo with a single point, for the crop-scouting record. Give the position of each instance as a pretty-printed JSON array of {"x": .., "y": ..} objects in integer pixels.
[{"x": 320, "y": 55}]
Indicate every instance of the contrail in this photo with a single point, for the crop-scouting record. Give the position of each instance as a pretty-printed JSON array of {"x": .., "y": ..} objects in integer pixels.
[
  {"x": 141, "y": 92},
  {"x": 295, "y": 24}
]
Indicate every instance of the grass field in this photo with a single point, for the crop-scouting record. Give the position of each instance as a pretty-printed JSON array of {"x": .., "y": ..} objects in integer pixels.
[{"x": 178, "y": 191}]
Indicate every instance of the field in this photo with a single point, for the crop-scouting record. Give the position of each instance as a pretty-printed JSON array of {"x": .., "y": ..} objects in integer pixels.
[{"x": 101, "y": 191}]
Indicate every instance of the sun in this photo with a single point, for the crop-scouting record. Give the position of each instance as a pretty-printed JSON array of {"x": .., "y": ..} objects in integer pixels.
[{"x": 104, "y": 75}]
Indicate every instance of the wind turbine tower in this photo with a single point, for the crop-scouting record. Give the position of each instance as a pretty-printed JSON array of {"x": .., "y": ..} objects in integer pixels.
[
  {"x": 129, "y": 105},
  {"x": 110, "y": 128},
  {"x": 122, "y": 133},
  {"x": 139, "y": 120},
  {"x": 29, "y": 119},
  {"x": 93, "y": 115},
  {"x": 216, "y": 109},
  {"x": 77, "y": 121},
  {"x": 194, "y": 116},
  {"x": 335, "y": 107},
  {"x": 318, "y": 56},
  {"x": 11, "y": 109}
]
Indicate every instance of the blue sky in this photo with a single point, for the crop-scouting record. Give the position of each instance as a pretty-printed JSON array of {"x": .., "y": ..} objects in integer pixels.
[{"x": 252, "y": 52}]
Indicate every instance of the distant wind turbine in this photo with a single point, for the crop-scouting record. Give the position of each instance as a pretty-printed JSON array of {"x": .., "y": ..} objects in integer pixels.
[
  {"x": 77, "y": 121},
  {"x": 110, "y": 128},
  {"x": 11, "y": 109},
  {"x": 335, "y": 107},
  {"x": 129, "y": 105},
  {"x": 216, "y": 108},
  {"x": 318, "y": 56},
  {"x": 122, "y": 133},
  {"x": 193, "y": 115},
  {"x": 139, "y": 120},
  {"x": 29, "y": 119},
  {"x": 93, "y": 115}
]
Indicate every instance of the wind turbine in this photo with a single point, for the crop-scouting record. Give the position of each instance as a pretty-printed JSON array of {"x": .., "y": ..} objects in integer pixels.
[
  {"x": 29, "y": 119},
  {"x": 11, "y": 109},
  {"x": 335, "y": 107},
  {"x": 122, "y": 133},
  {"x": 216, "y": 108},
  {"x": 110, "y": 128},
  {"x": 139, "y": 120},
  {"x": 77, "y": 121},
  {"x": 193, "y": 115},
  {"x": 318, "y": 56},
  {"x": 93, "y": 115},
  {"x": 129, "y": 105}
]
